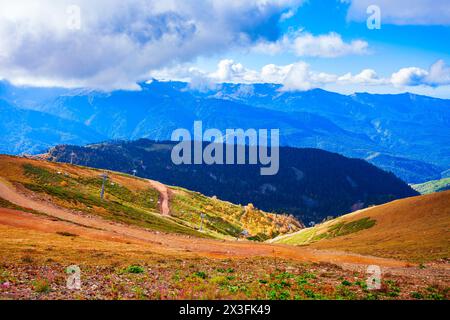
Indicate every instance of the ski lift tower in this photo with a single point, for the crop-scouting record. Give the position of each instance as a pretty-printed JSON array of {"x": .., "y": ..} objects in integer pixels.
[
  {"x": 72, "y": 156},
  {"x": 104, "y": 176}
]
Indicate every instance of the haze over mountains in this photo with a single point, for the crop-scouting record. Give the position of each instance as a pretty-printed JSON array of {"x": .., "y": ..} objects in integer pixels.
[{"x": 398, "y": 133}]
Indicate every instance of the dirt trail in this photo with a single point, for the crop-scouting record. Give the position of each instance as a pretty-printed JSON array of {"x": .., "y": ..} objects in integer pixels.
[
  {"x": 97, "y": 228},
  {"x": 164, "y": 197}
]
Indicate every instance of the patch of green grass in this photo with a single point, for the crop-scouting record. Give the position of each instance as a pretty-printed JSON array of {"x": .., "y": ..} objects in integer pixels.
[
  {"x": 42, "y": 175},
  {"x": 275, "y": 295},
  {"x": 432, "y": 186},
  {"x": 305, "y": 277},
  {"x": 219, "y": 280},
  {"x": 338, "y": 229},
  {"x": 200, "y": 274},
  {"x": 435, "y": 296},
  {"x": 134, "y": 269},
  {"x": 346, "y": 228},
  {"x": 301, "y": 237},
  {"x": 371, "y": 296},
  {"x": 416, "y": 295},
  {"x": 362, "y": 284},
  {"x": 310, "y": 294},
  {"x": 147, "y": 199},
  {"x": 346, "y": 283}
]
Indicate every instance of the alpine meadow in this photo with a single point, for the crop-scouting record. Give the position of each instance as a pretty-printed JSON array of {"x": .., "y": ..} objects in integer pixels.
[{"x": 225, "y": 159}]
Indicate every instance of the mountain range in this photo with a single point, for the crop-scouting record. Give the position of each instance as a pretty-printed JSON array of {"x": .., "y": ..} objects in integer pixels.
[{"x": 398, "y": 133}]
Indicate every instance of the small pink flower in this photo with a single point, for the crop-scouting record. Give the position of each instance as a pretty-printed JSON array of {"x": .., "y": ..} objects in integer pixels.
[{"x": 5, "y": 285}]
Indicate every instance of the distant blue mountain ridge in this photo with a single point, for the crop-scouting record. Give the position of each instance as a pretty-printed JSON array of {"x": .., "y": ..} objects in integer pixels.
[{"x": 406, "y": 134}]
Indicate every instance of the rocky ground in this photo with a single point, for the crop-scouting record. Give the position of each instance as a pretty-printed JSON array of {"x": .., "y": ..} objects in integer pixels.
[{"x": 200, "y": 278}]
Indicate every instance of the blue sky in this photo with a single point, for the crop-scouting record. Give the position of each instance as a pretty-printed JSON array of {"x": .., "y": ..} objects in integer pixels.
[
  {"x": 391, "y": 48},
  {"x": 301, "y": 44}
]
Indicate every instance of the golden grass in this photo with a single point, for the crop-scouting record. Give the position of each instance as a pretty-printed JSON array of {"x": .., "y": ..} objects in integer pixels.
[
  {"x": 17, "y": 244},
  {"x": 415, "y": 229}
]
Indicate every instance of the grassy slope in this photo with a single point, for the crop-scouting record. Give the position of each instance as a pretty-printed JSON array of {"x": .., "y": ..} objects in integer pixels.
[
  {"x": 415, "y": 229},
  {"x": 131, "y": 200},
  {"x": 432, "y": 186},
  {"x": 227, "y": 218}
]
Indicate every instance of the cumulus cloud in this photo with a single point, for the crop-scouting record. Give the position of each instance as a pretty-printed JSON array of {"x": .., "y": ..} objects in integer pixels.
[
  {"x": 300, "y": 76},
  {"x": 437, "y": 75},
  {"x": 403, "y": 12},
  {"x": 229, "y": 71},
  {"x": 411, "y": 76},
  {"x": 365, "y": 77},
  {"x": 330, "y": 45},
  {"x": 296, "y": 76},
  {"x": 304, "y": 44},
  {"x": 119, "y": 41}
]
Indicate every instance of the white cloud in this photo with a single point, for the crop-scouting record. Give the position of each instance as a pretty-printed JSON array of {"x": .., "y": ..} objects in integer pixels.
[
  {"x": 330, "y": 46},
  {"x": 287, "y": 15},
  {"x": 272, "y": 73},
  {"x": 119, "y": 41},
  {"x": 300, "y": 76},
  {"x": 304, "y": 44},
  {"x": 365, "y": 77},
  {"x": 411, "y": 76},
  {"x": 403, "y": 12},
  {"x": 437, "y": 75},
  {"x": 296, "y": 76},
  {"x": 229, "y": 71}
]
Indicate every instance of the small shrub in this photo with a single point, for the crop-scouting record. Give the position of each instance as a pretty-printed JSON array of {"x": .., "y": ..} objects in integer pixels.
[
  {"x": 346, "y": 283},
  {"x": 416, "y": 295},
  {"x": 41, "y": 286},
  {"x": 134, "y": 269},
  {"x": 66, "y": 234},
  {"x": 284, "y": 295},
  {"x": 200, "y": 274},
  {"x": 27, "y": 259},
  {"x": 220, "y": 280},
  {"x": 310, "y": 294},
  {"x": 435, "y": 296},
  {"x": 361, "y": 284}
]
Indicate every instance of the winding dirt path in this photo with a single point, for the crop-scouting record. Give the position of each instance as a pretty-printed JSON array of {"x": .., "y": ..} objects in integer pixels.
[{"x": 164, "y": 197}]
